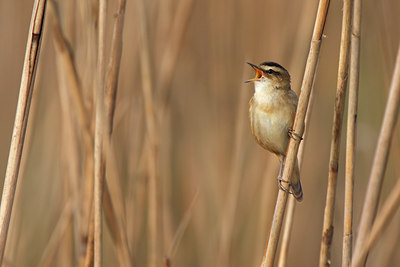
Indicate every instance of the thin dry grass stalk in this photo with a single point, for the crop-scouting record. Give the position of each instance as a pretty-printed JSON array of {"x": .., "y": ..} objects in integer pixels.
[
  {"x": 389, "y": 209},
  {"x": 88, "y": 260},
  {"x": 351, "y": 134},
  {"x": 68, "y": 77},
  {"x": 114, "y": 207},
  {"x": 119, "y": 236},
  {"x": 327, "y": 230},
  {"x": 21, "y": 119},
  {"x": 298, "y": 127},
  {"x": 147, "y": 88},
  {"x": 63, "y": 51},
  {"x": 17, "y": 218},
  {"x": 380, "y": 160},
  {"x": 99, "y": 171},
  {"x": 70, "y": 94},
  {"x": 114, "y": 64}
]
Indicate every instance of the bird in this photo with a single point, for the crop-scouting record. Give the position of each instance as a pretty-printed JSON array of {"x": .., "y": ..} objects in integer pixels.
[{"x": 272, "y": 109}]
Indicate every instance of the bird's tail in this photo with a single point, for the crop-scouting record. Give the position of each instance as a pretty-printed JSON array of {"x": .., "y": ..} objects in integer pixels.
[{"x": 297, "y": 190}]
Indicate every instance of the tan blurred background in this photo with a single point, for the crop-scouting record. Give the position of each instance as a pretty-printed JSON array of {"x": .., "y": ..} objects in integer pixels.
[{"x": 205, "y": 141}]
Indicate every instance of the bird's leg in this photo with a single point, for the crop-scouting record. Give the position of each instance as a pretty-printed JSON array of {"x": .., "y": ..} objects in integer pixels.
[
  {"x": 280, "y": 180},
  {"x": 294, "y": 135}
]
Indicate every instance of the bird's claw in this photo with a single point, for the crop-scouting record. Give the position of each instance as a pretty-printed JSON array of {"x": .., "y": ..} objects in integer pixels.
[
  {"x": 294, "y": 135},
  {"x": 280, "y": 180}
]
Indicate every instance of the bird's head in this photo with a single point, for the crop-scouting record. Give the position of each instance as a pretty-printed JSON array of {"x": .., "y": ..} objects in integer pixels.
[{"x": 271, "y": 74}]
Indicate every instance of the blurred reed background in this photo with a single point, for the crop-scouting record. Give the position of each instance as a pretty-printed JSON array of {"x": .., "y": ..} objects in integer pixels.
[{"x": 216, "y": 188}]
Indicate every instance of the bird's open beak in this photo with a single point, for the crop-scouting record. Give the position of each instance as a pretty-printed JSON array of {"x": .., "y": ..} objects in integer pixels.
[{"x": 258, "y": 74}]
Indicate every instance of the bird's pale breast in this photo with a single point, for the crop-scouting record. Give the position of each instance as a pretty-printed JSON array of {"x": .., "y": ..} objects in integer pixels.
[{"x": 271, "y": 118}]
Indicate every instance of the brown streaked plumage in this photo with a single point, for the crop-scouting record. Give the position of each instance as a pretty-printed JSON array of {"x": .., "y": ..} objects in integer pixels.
[{"x": 272, "y": 110}]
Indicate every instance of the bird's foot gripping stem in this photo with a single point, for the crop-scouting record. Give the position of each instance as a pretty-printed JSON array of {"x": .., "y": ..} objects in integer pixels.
[
  {"x": 280, "y": 181},
  {"x": 294, "y": 135}
]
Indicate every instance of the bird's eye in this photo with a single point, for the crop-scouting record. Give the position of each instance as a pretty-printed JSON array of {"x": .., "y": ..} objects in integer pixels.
[{"x": 270, "y": 71}]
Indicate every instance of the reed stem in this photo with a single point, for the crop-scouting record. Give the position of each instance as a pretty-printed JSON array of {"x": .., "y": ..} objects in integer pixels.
[
  {"x": 298, "y": 126},
  {"x": 21, "y": 119},
  {"x": 354, "y": 72},
  {"x": 99, "y": 166},
  {"x": 327, "y": 231}
]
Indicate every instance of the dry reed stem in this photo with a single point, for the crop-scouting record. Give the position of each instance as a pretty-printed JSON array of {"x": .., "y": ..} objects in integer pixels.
[
  {"x": 16, "y": 218},
  {"x": 380, "y": 160},
  {"x": 292, "y": 201},
  {"x": 70, "y": 146},
  {"x": 89, "y": 255},
  {"x": 111, "y": 83},
  {"x": 303, "y": 26},
  {"x": 327, "y": 230},
  {"x": 77, "y": 97},
  {"x": 74, "y": 87},
  {"x": 67, "y": 72},
  {"x": 147, "y": 88},
  {"x": 298, "y": 127},
  {"x": 354, "y": 71},
  {"x": 114, "y": 207},
  {"x": 114, "y": 203},
  {"x": 21, "y": 119},
  {"x": 389, "y": 208},
  {"x": 99, "y": 165}
]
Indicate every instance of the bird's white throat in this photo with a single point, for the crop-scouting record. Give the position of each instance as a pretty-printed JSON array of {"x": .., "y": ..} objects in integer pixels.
[{"x": 265, "y": 92}]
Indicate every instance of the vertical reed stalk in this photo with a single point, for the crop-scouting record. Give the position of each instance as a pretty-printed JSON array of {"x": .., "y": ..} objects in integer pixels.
[
  {"x": 114, "y": 207},
  {"x": 114, "y": 64},
  {"x": 298, "y": 127},
  {"x": 147, "y": 87},
  {"x": 99, "y": 171},
  {"x": 21, "y": 119},
  {"x": 354, "y": 70},
  {"x": 327, "y": 231},
  {"x": 380, "y": 160},
  {"x": 111, "y": 83}
]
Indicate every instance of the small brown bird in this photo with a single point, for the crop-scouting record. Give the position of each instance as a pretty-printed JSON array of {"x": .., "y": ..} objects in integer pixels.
[{"x": 272, "y": 111}]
